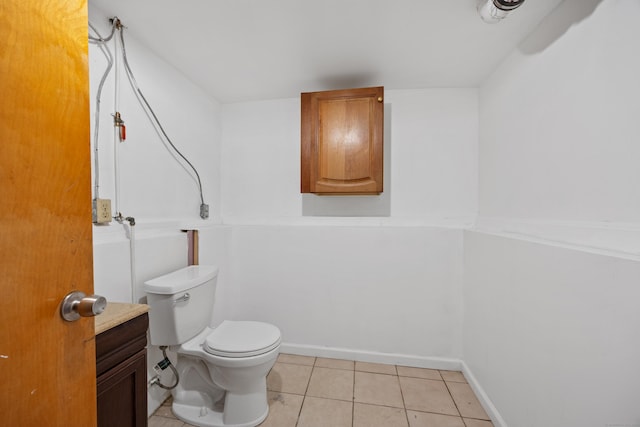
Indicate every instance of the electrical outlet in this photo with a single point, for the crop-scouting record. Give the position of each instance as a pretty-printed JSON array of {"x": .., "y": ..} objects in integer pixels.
[{"x": 101, "y": 211}]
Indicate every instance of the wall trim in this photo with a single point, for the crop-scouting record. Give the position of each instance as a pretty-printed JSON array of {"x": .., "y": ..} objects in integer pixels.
[
  {"x": 620, "y": 240},
  {"x": 451, "y": 222},
  {"x": 443, "y": 363},
  {"x": 482, "y": 396}
]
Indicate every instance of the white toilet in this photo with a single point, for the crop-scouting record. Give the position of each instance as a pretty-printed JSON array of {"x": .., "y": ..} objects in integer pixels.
[{"x": 222, "y": 370}]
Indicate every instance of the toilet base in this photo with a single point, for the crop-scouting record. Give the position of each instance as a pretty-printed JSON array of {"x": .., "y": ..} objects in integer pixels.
[
  {"x": 220, "y": 391},
  {"x": 198, "y": 401},
  {"x": 205, "y": 416}
]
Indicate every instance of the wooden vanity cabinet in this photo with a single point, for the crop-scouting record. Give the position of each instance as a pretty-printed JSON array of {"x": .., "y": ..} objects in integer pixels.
[
  {"x": 342, "y": 141},
  {"x": 121, "y": 368}
]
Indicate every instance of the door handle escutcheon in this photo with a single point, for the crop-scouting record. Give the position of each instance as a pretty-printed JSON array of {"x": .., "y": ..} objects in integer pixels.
[{"x": 76, "y": 304}]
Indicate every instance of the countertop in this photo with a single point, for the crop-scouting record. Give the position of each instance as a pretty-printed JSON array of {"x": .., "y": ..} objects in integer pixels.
[{"x": 117, "y": 313}]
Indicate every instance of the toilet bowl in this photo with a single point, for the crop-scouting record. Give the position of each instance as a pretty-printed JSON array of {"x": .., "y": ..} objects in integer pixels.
[{"x": 222, "y": 369}]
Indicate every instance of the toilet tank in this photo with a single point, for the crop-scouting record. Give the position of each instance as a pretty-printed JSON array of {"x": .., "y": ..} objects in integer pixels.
[{"x": 180, "y": 303}]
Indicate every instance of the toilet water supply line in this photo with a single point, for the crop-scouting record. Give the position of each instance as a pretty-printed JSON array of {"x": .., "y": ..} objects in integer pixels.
[
  {"x": 161, "y": 366},
  {"x": 132, "y": 257}
]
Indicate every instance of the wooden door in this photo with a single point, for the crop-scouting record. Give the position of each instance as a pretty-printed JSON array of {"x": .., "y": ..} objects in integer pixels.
[
  {"x": 47, "y": 365},
  {"x": 342, "y": 141}
]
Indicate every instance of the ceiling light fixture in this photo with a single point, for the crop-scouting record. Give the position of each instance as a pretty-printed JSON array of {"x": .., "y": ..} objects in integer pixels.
[{"x": 492, "y": 11}]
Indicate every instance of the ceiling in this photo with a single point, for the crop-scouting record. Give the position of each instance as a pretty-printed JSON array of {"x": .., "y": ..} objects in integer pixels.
[{"x": 240, "y": 50}]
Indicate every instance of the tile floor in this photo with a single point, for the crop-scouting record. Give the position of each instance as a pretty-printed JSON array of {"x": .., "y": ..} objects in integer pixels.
[{"x": 317, "y": 392}]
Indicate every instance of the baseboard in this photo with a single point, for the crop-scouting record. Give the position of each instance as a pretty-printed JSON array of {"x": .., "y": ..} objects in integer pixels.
[
  {"x": 486, "y": 403},
  {"x": 372, "y": 356}
]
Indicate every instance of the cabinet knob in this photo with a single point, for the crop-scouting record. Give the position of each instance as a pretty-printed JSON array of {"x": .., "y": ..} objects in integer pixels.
[{"x": 379, "y": 99}]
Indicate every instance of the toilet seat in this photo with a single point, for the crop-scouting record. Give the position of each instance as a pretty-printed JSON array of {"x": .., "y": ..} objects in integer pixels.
[{"x": 242, "y": 339}]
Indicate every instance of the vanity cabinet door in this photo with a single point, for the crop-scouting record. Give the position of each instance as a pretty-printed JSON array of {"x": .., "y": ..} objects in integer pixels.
[
  {"x": 121, "y": 366},
  {"x": 122, "y": 393},
  {"x": 342, "y": 141}
]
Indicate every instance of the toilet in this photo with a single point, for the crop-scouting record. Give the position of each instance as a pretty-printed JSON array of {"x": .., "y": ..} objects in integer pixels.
[{"x": 222, "y": 369}]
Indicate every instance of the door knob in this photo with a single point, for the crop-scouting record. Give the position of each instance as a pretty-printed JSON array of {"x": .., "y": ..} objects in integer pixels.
[{"x": 76, "y": 304}]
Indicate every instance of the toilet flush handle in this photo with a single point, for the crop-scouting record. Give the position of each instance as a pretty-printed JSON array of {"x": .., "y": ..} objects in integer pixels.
[
  {"x": 76, "y": 304},
  {"x": 183, "y": 298}
]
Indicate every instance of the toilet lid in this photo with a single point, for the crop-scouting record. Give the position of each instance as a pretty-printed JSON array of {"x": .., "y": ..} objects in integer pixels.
[{"x": 242, "y": 339}]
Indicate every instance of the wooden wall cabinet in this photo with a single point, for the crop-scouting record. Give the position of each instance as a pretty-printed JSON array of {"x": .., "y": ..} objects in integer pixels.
[
  {"x": 121, "y": 367},
  {"x": 342, "y": 141}
]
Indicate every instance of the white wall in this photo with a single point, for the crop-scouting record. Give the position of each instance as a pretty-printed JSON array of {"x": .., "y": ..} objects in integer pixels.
[
  {"x": 154, "y": 188},
  {"x": 383, "y": 284},
  {"x": 153, "y": 184},
  {"x": 559, "y": 121},
  {"x": 551, "y": 333},
  {"x": 434, "y": 153},
  {"x": 431, "y": 141},
  {"x": 358, "y": 289},
  {"x": 550, "y": 310}
]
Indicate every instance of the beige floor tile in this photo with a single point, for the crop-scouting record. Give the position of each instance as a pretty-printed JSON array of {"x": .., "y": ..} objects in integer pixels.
[
  {"x": 288, "y": 378},
  {"x": 295, "y": 359},
  {"x": 377, "y": 389},
  {"x": 164, "y": 411},
  {"x": 156, "y": 421},
  {"x": 283, "y": 410},
  {"x": 378, "y": 416},
  {"x": 428, "y": 374},
  {"x": 324, "y": 362},
  {"x": 477, "y": 423},
  {"x": 331, "y": 384},
  {"x": 317, "y": 412},
  {"x": 376, "y": 368},
  {"x": 424, "y": 419},
  {"x": 453, "y": 376},
  {"x": 427, "y": 395},
  {"x": 466, "y": 400}
]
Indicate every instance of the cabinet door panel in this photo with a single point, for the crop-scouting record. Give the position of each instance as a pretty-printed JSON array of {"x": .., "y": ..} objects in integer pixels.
[
  {"x": 122, "y": 394},
  {"x": 342, "y": 141}
]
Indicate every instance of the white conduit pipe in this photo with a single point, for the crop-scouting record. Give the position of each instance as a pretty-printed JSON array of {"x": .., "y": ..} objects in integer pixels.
[
  {"x": 131, "y": 232},
  {"x": 96, "y": 133},
  {"x": 116, "y": 131},
  {"x": 132, "y": 258}
]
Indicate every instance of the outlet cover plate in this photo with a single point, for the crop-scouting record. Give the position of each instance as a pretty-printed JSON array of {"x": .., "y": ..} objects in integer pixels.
[{"x": 102, "y": 211}]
